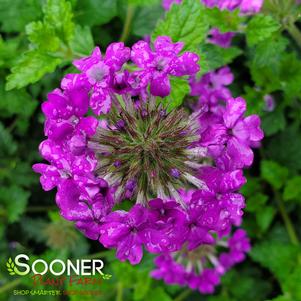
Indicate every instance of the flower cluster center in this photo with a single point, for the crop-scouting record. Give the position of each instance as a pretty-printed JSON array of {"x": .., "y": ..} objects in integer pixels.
[{"x": 146, "y": 152}]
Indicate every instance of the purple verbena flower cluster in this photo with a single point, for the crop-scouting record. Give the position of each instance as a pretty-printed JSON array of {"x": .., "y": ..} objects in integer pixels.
[
  {"x": 110, "y": 140},
  {"x": 202, "y": 268}
]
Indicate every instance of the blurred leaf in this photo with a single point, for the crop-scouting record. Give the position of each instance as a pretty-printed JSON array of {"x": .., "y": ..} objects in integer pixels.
[
  {"x": 187, "y": 23},
  {"x": 256, "y": 202},
  {"x": 281, "y": 298},
  {"x": 31, "y": 66},
  {"x": 269, "y": 52},
  {"x": 260, "y": 28},
  {"x": 246, "y": 279},
  {"x": 274, "y": 173},
  {"x": 143, "y": 2},
  {"x": 94, "y": 12},
  {"x": 157, "y": 294},
  {"x": 225, "y": 20},
  {"x": 273, "y": 122},
  {"x": 16, "y": 102},
  {"x": 279, "y": 258},
  {"x": 292, "y": 189},
  {"x": 214, "y": 57},
  {"x": 82, "y": 43},
  {"x": 291, "y": 285},
  {"x": 285, "y": 147},
  {"x": 8, "y": 51},
  {"x": 14, "y": 15},
  {"x": 255, "y": 101},
  {"x": 142, "y": 285},
  {"x": 145, "y": 19},
  {"x": 265, "y": 216},
  {"x": 7, "y": 145},
  {"x": 14, "y": 200},
  {"x": 34, "y": 228}
]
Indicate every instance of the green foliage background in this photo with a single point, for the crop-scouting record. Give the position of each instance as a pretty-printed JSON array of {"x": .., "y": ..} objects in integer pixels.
[{"x": 38, "y": 41}]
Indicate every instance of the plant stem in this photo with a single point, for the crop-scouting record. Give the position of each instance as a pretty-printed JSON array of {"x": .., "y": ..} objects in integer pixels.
[
  {"x": 183, "y": 295},
  {"x": 295, "y": 33},
  {"x": 119, "y": 296},
  {"x": 287, "y": 221},
  {"x": 127, "y": 23},
  {"x": 9, "y": 285}
]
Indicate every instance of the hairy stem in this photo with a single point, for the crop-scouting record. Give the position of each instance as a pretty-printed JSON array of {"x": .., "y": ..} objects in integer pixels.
[
  {"x": 286, "y": 219},
  {"x": 183, "y": 295},
  {"x": 127, "y": 23},
  {"x": 9, "y": 285},
  {"x": 119, "y": 296},
  {"x": 295, "y": 33}
]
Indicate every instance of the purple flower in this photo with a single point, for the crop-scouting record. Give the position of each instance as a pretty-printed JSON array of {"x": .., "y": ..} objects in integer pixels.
[
  {"x": 166, "y": 226},
  {"x": 251, "y": 6},
  {"x": 221, "y": 39},
  {"x": 201, "y": 268},
  {"x": 238, "y": 244},
  {"x": 124, "y": 231},
  {"x": 233, "y": 136},
  {"x": 98, "y": 73},
  {"x": 156, "y": 66},
  {"x": 212, "y": 89},
  {"x": 167, "y": 3},
  {"x": 269, "y": 103}
]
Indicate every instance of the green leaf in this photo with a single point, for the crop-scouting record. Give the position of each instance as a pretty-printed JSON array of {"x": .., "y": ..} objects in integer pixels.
[
  {"x": 273, "y": 122},
  {"x": 14, "y": 15},
  {"x": 292, "y": 189},
  {"x": 252, "y": 187},
  {"x": 14, "y": 200},
  {"x": 7, "y": 145},
  {"x": 256, "y": 202},
  {"x": 82, "y": 43},
  {"x": 30, "y": 68},
  {"x": 16, "y": 102},
  {"x": 157, "y": 294},
  {"x": 8, "y": 51},
  {"x": 265, "y": 216},
  {"x": 187, "y": 23},
  {"x": 42, "y": 36},
  {"x": 214, "y": 57},
  {"x": 269, "y": 51},
  {"x": 224, "y": 20},
  {"x": 179, "y": 89},
  {"x": 281, "y": 298},
  {"x": 94, "y": 12},
  {"x": 285, "y": 147},
  {"x": 279, "y": 258},
  {"x": 142, "y": 285},
  {"x": 254, "y": 99},
  {"x": 291, "y": 285},
  {"x": 260, "y": 28},
  {"x": 245, "y": 280},
  {"x": 58, "y": 14},
  {"x": 274, "y": 173},
  {"x": 145, "y": 19},
  {"x": 143, "y": 2}
]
